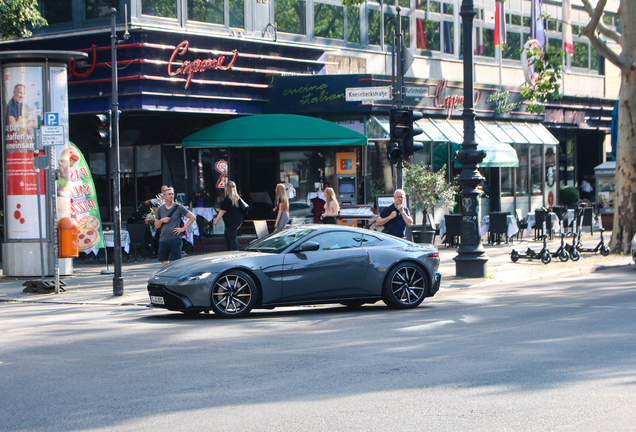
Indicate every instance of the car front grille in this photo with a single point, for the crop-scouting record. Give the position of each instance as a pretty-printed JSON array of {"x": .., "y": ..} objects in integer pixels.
[{"x": 172, "y": 300}]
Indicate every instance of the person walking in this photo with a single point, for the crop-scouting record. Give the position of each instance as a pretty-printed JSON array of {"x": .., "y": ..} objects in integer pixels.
[
  {"x": 169, "y": 219},
  {"x": 282, "y": 207},
  {"x": 232, "y": 211},
  {"x": 332, "y": 208},
  {"x": 395, "y": 217}
]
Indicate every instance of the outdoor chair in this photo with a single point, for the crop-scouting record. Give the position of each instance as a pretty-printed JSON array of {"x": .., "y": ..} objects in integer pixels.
[
  {"x": 260, "y": 227},
  {"x": 453, "y": 229},
  {"x": 541, "y": 215},
  {"x": 498, "y": 226},
  {"x": 433, "y": 224},
  {"x": 137, "y": 234}
]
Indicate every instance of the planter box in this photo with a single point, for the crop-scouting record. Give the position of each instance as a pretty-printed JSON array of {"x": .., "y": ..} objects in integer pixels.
[{"x": 424, "y": 237}]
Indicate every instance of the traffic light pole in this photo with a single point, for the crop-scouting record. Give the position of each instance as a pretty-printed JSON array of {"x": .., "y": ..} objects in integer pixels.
[
  {"x": 118, "y": 280},
  {"x": 398, "y": 95}
]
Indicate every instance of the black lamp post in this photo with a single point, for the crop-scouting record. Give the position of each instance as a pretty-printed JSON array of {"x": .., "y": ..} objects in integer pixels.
[{"x": 471, "y": 256}]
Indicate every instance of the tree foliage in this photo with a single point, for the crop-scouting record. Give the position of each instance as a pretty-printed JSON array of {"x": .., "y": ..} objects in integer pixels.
[
  {"x": 18, "y": 17},
  {"x": 427, "y": 188},
  {"x": 547, "y": 66}
]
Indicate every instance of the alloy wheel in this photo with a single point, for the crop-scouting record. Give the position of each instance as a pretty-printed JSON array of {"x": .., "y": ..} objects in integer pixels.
[{"x": 233, "y": 295}]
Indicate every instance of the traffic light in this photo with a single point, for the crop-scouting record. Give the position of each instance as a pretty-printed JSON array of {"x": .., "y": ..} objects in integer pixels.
[
  {"x": 402, "y": 130},
  {"x": 102, "y": 133},
  {"x": 394, "y": 151}
]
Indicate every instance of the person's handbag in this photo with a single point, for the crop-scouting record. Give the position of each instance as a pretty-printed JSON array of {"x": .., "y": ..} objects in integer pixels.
[
  {"x": 245, "y": 208},
  {"x": 373, "y": 226}
]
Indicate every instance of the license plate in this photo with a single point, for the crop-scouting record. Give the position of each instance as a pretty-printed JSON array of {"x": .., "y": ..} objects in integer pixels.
[{"x": 157, "y": 300}]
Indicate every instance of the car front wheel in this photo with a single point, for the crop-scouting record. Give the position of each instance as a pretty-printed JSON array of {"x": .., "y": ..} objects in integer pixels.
[
  {"x": 234, "y": 295},
  {"x": 405, "y": 287}
]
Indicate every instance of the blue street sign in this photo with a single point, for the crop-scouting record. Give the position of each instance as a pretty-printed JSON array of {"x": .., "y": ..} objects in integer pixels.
[{"x": 51, "y": 119}]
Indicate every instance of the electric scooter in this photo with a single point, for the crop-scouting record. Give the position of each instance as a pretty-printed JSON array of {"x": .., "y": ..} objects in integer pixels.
[
  {"x": 600, "y": 247},
  {"x": 561, "y": 253},
  {"x": 543, "y": 255}
]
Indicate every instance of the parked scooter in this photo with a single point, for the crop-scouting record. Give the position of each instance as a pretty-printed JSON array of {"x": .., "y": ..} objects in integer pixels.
[
  {"x": 600, "y": 247},
  {"x": 561, "y": 253},
  {"x": 571, "y": 248},
  {"x": 544, "y": 254}
]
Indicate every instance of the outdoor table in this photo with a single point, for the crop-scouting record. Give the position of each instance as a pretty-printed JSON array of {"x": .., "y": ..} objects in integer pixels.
[
  {"x": 109, "y": 239},
  {"x": 207, "y": 212},
  {"x": 193, "y": 230},
  {"x": 513, "y": 228}
]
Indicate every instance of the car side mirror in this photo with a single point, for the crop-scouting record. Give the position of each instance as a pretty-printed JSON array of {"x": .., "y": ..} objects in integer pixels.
[{"x": 308, "y": 246}]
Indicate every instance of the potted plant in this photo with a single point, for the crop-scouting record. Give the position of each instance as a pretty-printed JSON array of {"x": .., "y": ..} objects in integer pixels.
[
  {"x": 426, "y": 190},
  {"x": 199, "y": 196}
]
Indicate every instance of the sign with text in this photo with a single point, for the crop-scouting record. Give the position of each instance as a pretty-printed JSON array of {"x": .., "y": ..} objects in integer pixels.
[
  {"x": 357, "y": 94},
  {"x": 52, "y": 135}
]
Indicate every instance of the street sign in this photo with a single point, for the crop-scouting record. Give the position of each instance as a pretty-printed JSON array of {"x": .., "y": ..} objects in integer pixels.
[
  {"x": 41, "y": 162},
  {"x": 416, "y": 92},
  {"x": 52, "y": 135},
  {"x": 51, "y": 119},
  {"x": 357, "y": 94}
]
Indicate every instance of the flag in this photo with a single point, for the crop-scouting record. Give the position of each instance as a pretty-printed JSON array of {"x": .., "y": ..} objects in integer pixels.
[
  {"x": 568, "y": 46},
  {"x": 500, "y": 23},
  {"x": 536, "y": 24}
]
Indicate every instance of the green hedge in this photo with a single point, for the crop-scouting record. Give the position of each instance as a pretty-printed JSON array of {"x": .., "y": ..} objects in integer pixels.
[{"x": 568, "y": 195}]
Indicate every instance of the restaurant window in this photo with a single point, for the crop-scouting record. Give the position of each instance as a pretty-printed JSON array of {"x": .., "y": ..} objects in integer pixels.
[
  {"x": 149, "y": 181},
  {"x": 300, "y": 169},
  {"x": 97, "y": 164},
  {"x": 159, "y": 8},
  {"x": 99, "y": 8},
  {"x": 536, "y": 169},
  {"x": 291, "y": 16},
  {"x": 328, "y": 21},
  {"x": 522, "y": 172},
  {"x": 211, "y": 172},
  {"x": 507, "y": 187},
  {"x": 56, "y": 11}
]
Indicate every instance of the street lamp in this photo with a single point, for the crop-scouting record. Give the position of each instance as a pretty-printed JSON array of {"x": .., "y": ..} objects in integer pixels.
[{"x": 471, "y": 258}]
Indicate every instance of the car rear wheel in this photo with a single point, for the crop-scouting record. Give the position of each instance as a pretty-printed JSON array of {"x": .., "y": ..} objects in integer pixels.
[
  {"x": 234, "y": 295},
  {"x": 405, "y": 287}
]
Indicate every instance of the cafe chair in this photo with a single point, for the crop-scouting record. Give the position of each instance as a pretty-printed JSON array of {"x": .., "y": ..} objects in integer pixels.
[
  {"x": 541, "y": 215},
  {"x": 498, "y": 226},
  {"x": 137, "y": 234},
  {"x": 260, "y": 227},
  {"x": 433, "y": 224},
  {"x": 453, "y": 229},
  {"x": 522, "y": 223}
]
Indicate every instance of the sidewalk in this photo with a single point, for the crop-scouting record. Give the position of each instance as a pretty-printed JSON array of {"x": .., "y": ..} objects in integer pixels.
[{"x": 88, "y": 286}]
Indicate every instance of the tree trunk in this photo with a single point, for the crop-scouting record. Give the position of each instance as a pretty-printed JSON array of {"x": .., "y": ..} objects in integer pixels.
[{"x": 625, "y": 187}]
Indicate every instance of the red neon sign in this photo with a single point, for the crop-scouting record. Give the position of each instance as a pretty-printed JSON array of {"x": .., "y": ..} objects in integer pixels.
[
  {"x": 198, "y": 65},
  {"x": 450, "y": 101}
]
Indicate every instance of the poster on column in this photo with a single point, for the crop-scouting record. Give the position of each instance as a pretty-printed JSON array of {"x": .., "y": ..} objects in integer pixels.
[
  {"x": 84, "y": 207},
  {"x": 59, "y": 105},
  {"x": 23, "y": 96}
]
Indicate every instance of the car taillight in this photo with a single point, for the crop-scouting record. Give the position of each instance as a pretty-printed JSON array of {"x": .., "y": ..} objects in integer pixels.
[{"x": 434, "y": 255}]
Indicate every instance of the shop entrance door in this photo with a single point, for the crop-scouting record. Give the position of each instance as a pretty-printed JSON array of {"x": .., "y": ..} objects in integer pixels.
[{"x": 261, "y": 177}]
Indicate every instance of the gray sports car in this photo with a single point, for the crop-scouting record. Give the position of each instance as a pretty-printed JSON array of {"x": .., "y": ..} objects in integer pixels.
[{"x": 306, "y": 264}]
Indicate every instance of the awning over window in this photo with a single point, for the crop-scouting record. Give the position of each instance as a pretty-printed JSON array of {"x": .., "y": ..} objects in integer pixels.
[{"x": 275, "y": 130}]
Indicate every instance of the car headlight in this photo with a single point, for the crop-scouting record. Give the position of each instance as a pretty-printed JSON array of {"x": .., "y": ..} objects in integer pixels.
[{"x": 194, "y": 276}]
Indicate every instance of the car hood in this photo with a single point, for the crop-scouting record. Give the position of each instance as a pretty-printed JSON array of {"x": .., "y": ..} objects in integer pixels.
[{"x": 209, "y": 263}]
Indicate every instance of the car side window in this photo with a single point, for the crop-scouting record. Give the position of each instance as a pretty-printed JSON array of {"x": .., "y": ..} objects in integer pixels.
[
  {"x": 370, "y": 240},
  {"x": 338, "y": 240}
]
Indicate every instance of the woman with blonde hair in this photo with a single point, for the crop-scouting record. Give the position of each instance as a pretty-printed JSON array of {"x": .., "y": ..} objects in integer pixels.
[
  {"x": 332, "y": 208},
  {"x": 282, "y": 206},
  {"x": 232, "y": 212}
]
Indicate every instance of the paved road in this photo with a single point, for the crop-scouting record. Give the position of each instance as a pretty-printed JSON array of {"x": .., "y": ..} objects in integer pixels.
[{"x": 507, "y": 357}]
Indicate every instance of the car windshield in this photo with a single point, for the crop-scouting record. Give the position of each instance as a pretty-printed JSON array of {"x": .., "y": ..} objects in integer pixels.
[{"x": 279, "y": 241}]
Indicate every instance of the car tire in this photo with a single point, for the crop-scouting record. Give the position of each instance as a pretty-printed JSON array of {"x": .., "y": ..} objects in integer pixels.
[
  {"x": 605, "y": 250},
  {"x": 234, "y": 294},
  {"x": 405, "y": 286}
]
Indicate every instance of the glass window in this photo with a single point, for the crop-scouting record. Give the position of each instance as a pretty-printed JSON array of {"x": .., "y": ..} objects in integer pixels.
[
  {"x": 389, "y": 28},
  {"x": 556, "y": 43},
  {"x": 208, "y": 11},
  {"x": 522, "y": 171},
  {"x": 526, "y": 21},
  {"x": 512, "y": 47},
  {"x": 237, "y": 13},
  {"x": 338, "y": 240},
  {"x": 428, "y": 35},
  {"x": 328, "y": 21},
  {"x": 516, "y": 19},
  {"x": 507, "y": 187},
  {"x": 159, "y": 8},
  {"x": 279, "y": 241},
  {"x": 56, "y": 11},
  {"x": 99, "y": 8},
  {"x": 353, "y": 25},
  {"x": 488, "y": 40},
  {"x": 593, "y": 58},
  {"x": 370, "y": 240},
  {"x": 581, "y": 55},
  {"x": 536, "y": 171},
  {"x": 449, "y": 37},
  {"x": 373, "y": 20},
  {"x": 434, "y": 6},
  {"x": 291, "y": 16}
]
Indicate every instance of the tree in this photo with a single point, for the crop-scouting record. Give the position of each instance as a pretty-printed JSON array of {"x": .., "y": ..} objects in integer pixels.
[
  {"x": 18, "y": 17},
  {"x": 625, "y": 198},
  {"x": 427, "y": 188}
]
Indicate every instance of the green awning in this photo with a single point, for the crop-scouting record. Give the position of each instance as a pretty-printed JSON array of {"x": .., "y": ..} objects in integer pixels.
[
  {"x": 498, "y": 155},
  {"x": 275, "y": 130}
]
